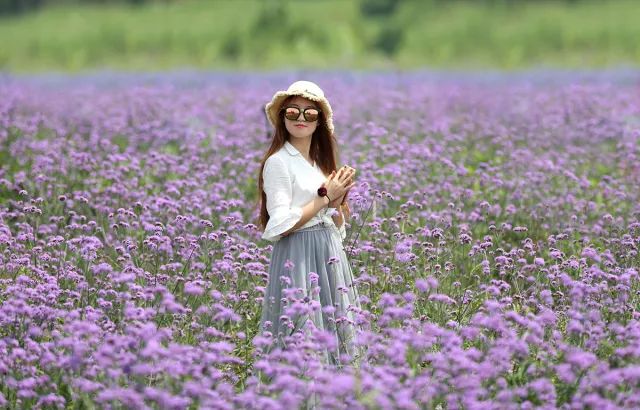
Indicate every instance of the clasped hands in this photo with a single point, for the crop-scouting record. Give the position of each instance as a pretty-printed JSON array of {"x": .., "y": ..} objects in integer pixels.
[{"x": 338, "y": 185}]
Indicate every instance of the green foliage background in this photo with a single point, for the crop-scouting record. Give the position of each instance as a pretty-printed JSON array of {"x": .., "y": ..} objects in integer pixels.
[{"x": 321, "y": 34}]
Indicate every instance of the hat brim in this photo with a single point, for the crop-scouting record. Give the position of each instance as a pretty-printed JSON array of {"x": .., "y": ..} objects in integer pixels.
[{"x": 273, "y": 106}]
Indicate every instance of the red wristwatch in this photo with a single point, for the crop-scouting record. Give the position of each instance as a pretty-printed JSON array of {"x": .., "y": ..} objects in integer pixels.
[{"x": 322, "y": 191}]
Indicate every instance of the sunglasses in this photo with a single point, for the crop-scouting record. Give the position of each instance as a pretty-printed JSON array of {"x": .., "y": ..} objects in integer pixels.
[{"x": 310, "y": 114}]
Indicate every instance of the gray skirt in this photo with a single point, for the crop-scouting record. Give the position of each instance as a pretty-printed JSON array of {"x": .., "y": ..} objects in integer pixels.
[{"x": 310, "y": 285}]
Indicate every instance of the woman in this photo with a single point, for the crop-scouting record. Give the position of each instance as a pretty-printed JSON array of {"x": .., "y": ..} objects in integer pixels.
[{"x": 302, "y": 209}]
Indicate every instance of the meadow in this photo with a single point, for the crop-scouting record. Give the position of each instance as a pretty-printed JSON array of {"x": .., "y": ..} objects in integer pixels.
[
  {"x": 494, "y": 239},
  {"x": 254, "y": 35}
]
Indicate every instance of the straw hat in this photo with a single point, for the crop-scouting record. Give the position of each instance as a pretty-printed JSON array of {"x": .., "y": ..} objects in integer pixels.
[{"x": 306, "y": 89}]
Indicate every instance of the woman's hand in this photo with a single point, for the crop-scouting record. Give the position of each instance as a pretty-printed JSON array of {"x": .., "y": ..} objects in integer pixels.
[
  {"x": 345, "y": 177},
  {"x": 346, "y": 211},
  {"x": 339, "y": 201}
]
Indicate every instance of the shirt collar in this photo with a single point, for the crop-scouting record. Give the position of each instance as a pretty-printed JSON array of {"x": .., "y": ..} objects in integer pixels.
[{"x": 291, "y": 149}]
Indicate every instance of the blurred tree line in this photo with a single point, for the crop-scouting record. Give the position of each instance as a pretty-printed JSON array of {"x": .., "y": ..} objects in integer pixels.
[
  {"x": 273, "y": 20},
  {"x": 14, "y": 7},
  {"x": 368, "y": 8},
  {"x": 272, "y": 34},
  {"x": 391, "y": 32}
]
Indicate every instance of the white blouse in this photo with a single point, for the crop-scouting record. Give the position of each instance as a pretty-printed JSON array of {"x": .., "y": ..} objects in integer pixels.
[{"x": 290, "y": 182}]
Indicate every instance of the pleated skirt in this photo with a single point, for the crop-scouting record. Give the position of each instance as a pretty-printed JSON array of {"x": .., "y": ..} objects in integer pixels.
[{"x": 311, "y": 284}]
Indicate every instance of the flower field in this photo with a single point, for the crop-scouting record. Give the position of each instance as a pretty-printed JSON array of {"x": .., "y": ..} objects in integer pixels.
[{"x": 494, "y": 239}]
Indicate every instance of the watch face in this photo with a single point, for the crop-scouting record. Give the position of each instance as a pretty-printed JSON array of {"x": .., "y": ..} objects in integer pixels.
[{"x": 322, "y": 191}]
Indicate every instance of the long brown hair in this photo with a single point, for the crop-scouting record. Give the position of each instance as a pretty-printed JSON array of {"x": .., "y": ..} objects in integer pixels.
[{"x": 323, "y": 151}]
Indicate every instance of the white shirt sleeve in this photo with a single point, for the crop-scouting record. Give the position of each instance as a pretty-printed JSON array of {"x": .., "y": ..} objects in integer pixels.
[{"x": 278, "y": 189}]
